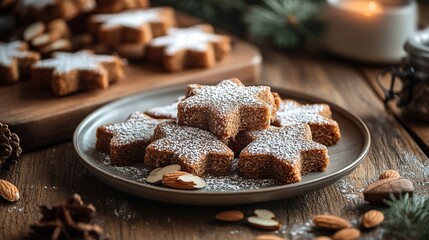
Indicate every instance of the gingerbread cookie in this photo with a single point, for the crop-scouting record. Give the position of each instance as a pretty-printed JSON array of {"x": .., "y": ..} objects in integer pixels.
[
  {"x": 125, "y": 142},
  {"x": 15, "y": 61},
  {"x": 113, "y": 6},
  {"x": 195, "y": 150},
  {"x": 283, "y": 154},
  {"x": 132, "y": 27},
  {"x": 70, "y": 72},
  {"x": 52, "y": 9},
  {"x": 195, "y": 46},
  {"x": 324, "y": 129},
  {"x": 166, "y": 111},
  {"x": 227, "y": 108}
]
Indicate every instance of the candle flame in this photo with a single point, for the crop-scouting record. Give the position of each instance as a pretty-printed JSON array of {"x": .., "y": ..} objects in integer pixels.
[{"x": 373, "y": 7}]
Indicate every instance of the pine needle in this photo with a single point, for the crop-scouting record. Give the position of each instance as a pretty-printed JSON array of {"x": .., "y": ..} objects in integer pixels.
[{"x": 407, "y": 218}]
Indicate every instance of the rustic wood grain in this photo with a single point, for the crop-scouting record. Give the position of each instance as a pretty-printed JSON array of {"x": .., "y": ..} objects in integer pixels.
[
  {"x": 49, "y": 175},
  {"x": 38, "y": 114}
]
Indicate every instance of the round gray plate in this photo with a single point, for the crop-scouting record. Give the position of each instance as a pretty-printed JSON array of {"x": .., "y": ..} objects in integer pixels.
[{"x": 345, "y": 156}]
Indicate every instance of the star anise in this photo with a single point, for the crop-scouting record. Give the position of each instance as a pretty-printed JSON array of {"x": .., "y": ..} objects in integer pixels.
[
  {"x": 9, "y": 147},
  {"x": 68, "y": 221}
]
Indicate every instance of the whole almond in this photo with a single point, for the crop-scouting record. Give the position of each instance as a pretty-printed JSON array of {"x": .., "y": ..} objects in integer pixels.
[
  {"x": 331, "y": 222},
  {"x": 372, "y": 218},
  {"x": 382, "y": 189},
  {"x": 269, "y": 237},
  {"x": 263, "y": 223},
  {"x": 323, "y": 238},
  {"x": 389, "y": 174},
  {"x": 230, "y": 216},
  {"x": 346, "y": 234},
  {"x": 9, "y": 191},
  {"x": 33, "y": 31}
]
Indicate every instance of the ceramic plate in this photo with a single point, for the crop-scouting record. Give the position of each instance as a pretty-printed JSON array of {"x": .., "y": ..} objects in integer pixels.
[{"x": 345, "y": 156}]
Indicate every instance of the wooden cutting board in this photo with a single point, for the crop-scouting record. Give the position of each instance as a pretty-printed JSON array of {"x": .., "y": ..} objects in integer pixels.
[{"x": 40, "y": 118}]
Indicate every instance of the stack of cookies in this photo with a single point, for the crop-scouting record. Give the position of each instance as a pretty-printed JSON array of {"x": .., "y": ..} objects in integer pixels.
[
  {"x": 117, "y": 29},
  {"x": 205, "y": 129}
]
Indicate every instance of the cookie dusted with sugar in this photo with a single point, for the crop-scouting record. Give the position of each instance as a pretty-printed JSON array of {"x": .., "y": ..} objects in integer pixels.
[
  {"x": 52, "y": 9},
  {"x": 112, "y": 6},
  {"x": 137, "y": 26},
  {"x": 125, "y": 142},
  {"x": 165, "y": 112},
  {"x": 195, "y": 46},
  {"x": 195, "y": 150},
  {"x": 15, "y": 61},
  {"x": 227, "y": 108},
  {"x": 283, "y": 154},
  {"x": 324, "y": 129},
  {"x": 66, "y": 73}
]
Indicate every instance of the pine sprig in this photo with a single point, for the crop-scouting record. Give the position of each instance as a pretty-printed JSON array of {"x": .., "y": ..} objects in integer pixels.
[
  {"x": 284, "y": 23},
  {"x": 407, "y": 218}
]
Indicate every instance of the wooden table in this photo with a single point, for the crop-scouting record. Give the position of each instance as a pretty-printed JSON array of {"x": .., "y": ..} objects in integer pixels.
[{"x": 49, "y": 175}]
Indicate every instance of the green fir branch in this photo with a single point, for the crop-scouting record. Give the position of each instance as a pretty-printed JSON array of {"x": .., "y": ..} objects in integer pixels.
[
  {"x": 284, "y": 23},
  {"x": 407, "y": 218}
]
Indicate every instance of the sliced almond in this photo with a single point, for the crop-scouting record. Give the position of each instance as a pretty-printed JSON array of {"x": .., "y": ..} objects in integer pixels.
[
  {"x": 45, "y": 39},
  {"x": 9, "y": 191},
  {"x": 263, "y": 223},
  {"x": 264, "y": 213},
  {"x": 269, "y": 237},
  {"x": 60, "y": 26},
  {"x": 188, "y": 178},
  {"x": 182, "y": 180},
  {"x": 155, "y": 176},
  {"x": 230, "y": 216},
  {"x": 33, "y": 31},
  {"x": 59, "y": 45}
]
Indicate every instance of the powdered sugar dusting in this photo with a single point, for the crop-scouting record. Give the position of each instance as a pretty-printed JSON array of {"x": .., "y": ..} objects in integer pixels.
[
  {"x": 9, "y": 51},
  {"x": 188, "y": 143},
  {"x": 167, "y": 111},
  {"x": 192, "y": 38},
  {"x": 83, "y": 60},
  {"x": 285, "y": 143},
  {"x": 226, "y": 97},
  {"x": 290, "y": 112},
  {"x": 138, "y": 127},
  {"x": 130, "y": 18}
]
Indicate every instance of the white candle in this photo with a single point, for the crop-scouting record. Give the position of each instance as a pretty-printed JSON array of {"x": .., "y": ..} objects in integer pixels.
[{"x": 369, "y": 30}]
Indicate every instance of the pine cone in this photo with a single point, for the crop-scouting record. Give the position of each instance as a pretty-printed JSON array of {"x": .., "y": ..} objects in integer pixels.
[
  {"x": 67, "y": 221},
  {"x": 9, "y": 147}
]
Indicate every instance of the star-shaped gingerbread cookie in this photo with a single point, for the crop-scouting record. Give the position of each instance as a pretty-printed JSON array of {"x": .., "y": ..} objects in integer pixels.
[
  {"x": 324, "y": 129},
  {"x": 137, "y": 26},
  {"x": 53, "y": 9},
  {"x": 15, "y": 61},
  {"x": 195, "y": 150},
  {"x": 195, "y": 46},
  {"x": 126, "y": 142},
  {"x": 283, "y": 154},
  {"x": 66, "y": 73},
  {"x": 227, "y": 108}
]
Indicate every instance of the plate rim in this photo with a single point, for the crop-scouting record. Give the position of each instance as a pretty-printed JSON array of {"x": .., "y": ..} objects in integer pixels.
[{"x": 282, "y": 91}]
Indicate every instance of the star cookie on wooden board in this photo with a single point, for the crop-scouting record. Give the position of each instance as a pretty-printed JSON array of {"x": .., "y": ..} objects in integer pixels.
[
  {"x": 195, "y": 150},
  {"x": 195, "y": 46},
  {"x": 53, "y": 9},
  {"x": 137, "y": 26},
  {"x": 227, "y": 108},
  {"x": 70, "y": 72},
  {"x": 113, "y": 6},
  {"x": 15, "y": 61},
  {"x": 283, "y": 154},
  {"x": 125, "y": 142},
  {"x": 324, "y": 129}
]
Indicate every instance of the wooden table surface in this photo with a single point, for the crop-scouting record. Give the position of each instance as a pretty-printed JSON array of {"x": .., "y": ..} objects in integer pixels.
[{"x": 49, "y": 175}]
